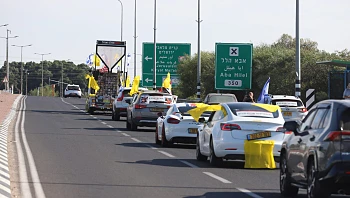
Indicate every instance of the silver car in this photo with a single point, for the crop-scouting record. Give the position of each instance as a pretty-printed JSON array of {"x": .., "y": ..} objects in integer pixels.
[{"x": 146, "y": 107}]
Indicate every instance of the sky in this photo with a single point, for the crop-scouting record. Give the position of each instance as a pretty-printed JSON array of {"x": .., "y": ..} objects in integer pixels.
[{"x": 68, "y": 29}]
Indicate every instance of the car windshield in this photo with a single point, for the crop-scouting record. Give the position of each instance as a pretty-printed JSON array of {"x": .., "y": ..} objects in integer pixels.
[
  {"x": 73, "y": 88},
  {"x": 221, "y": 99},
  {"x": 252, "y": 111},
  {"x": 287, "y": 103}
]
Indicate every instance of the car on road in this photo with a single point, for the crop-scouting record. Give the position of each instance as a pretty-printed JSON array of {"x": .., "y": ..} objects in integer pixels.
[
  {"x": 119, "y": 104},
  {"x": 72, "y": 91},
  {"x": 224, "y": 134},
  {"x": 216, "y": 98},
  {"x": 178, "y": 126},
  {"x": 292, "y": 107},
  {"x": 144, "y": 108},
  {"x": 316, "y": 156}
]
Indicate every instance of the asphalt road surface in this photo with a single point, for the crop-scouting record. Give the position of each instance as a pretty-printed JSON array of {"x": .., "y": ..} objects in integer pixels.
[{"x": 82, "y": 155}]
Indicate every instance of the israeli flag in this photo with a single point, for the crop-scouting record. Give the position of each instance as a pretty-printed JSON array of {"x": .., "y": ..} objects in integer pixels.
[
  {"x": 128, "y": 57},
  {"x": 89, "y": 60},
  {"x": 264, "y": 95},
  {"x": 120, "y": 93}
]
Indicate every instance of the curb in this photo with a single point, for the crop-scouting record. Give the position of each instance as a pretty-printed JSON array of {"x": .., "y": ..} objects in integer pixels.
[{"x": 5, "y": 189}]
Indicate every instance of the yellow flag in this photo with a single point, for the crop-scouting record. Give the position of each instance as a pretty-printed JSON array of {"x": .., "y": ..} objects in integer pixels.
[
  {"x": 87, "y": 76},
  {"x": 97, "y": 60},
  {"x": 94, "y": 84},
  {"x": 127, "y": 81},
  {"x": 201, "y": 108},
  {"x": 135, "y": 85},
  {"x": 167, "y": 82}
]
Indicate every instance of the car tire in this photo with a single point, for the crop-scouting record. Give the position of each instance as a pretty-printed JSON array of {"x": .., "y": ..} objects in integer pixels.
[
  {"x": 128, "y": 125},
  {"x": 90, "y": 111},
  {"x": 117, "y": 116},
  {"x": 156, "y": 140},
  {"x": 113, "y": 117},
  {"x": 199, "y": 155},
  {"x": 214, "y": 161},
  {"x": 133, "y": 125},
  {"x": 286, "y": 188},
  {"x": 314, "y": 189},
  {"x": 164, "y": 142}
]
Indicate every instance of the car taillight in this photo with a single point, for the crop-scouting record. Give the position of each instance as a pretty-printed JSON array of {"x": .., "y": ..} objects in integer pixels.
[
  {"x": 140, "y": 106},
  {"x": 121, "y": 97},
  {"x": 229, "y": 127},
  {"x": 173, "y": 121},
  {"x": 93, "y": 100},
  {"x": 280, "y": 129},
  {"x": 303, "y": 110},
  {"x": 168, "y": 107},
  {"x": 337, "y": 136}
]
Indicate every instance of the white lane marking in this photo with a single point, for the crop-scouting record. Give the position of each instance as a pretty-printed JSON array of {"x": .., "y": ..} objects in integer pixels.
[
  {"x": 103, "y": 122},
  {"x": 151, "y": 146},
  {"x": 118, "y": 131},
  {"x": 110, "y": 126},
  {"x": 23, "y": 177},
  {"x": 189, "y": 164},
  {"x": 167, "y": 154},
  {"x": 91, "y": 115},
  {"x": 136, "y": 140},
  {"x": 125, "y": 134},
  {"x": 249, "y": 193},
  {"x": 94, "y": 117},
  {"x": 39, "y": 192},
  {"x": 217, "y": 177}
]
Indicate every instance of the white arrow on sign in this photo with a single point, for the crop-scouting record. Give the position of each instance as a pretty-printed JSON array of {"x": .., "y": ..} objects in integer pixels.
[
  {"x": 148, "y": 80},
  {"x": 148, "y": 58}
]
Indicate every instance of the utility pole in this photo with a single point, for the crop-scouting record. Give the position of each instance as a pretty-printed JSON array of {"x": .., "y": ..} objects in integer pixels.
[
  {"x": 199, "y": 52},
  {"x": 42, "y": 72},
  {"x": 297, "y": 56},
  {"x": 155, "y": 47},
  {"x": 135, "y": 41},
  {"x": 22, "y": 46},
  {"x": 26, "y": 82},
  {"x": 62, "y": 81}
]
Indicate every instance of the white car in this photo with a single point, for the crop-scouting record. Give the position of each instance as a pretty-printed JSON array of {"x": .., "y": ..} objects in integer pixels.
[
  {"x": 224, "y": 134},
  {"x": 292, "y": 107},
  {"x": 178, "y": 126},
  {"x": 119, "y": 105},
  {"x": 72, "y": 91}
]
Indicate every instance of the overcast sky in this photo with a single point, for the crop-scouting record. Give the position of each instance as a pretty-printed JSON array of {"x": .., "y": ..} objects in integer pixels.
[{"x": 69, "y": 28}]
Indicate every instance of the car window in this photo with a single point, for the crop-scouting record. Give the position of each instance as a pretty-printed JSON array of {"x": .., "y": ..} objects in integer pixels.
[
  {"x": 252, "y": 111},
  {"x": 170, "y": 111},
  {"x": 218, "y": 115},
  {"x": 326, "y": 119},
  {"x": 306, "y": 124},
  {"x": 318, "y": 117},
  {"x": 287, "y": 103},
  {"x": 73, "y": 88},
  {"x": 222, "y": 99},
  {"x": 345, "y": 120}
]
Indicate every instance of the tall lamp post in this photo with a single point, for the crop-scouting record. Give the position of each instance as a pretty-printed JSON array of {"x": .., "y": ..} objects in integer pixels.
[
  {"x": 297, "y": 50},
  {"x": 155, "y": 47},
  {"x": 42, "y": 71},
  {"x": 121, "y": 33},
  {"x": 135, "y": 41},
  {"x": 199, "y": 52},
  {"x": 22, "y": 46},
  {"x": 7, "y": 57}
]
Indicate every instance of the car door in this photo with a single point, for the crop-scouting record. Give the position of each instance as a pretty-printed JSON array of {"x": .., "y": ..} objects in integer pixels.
[
  {"x": 205, "y": 134},
  {"x": 162, "y": 118},
  {"x": 218, "y": 116},
  {"x": 294, "y": 154}
]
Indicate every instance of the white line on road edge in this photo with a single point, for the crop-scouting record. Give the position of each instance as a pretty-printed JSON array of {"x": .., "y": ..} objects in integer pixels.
[
  {"x": 167, "y": 154},
  {"x": 136, "y": 140},
  {"x": 151, "y": 146},
  {"x": 110, "y": 126},
  {"x": 189, "y": 164},
  {"x": 103, "y": 123},
  {"x": 125, "y": 134},
  {"x": 94, "y": 117},
  {"x": 217, "y": 177},
  {"x": 23, "y": 177},
  {"x": 249, "y": 193},
  {"x": 39, "y": 192}
]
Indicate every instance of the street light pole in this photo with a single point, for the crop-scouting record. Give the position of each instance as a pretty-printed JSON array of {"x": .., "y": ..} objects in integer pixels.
[
  {"x": 42, "y": 72},
  {"x": 135, "y": 41},
  {"x": 155, "y": 47},
  {"x": 297, "y": 56},
  {"x": 121, "y": 35},
  {"x": 26, "y": 82},
  {"x": 199, "y": 52},
  {"x": 22, "y": 46}
]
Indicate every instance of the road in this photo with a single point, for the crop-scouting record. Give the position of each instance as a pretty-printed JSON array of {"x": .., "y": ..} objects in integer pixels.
[{"x": 82, "y": 155}]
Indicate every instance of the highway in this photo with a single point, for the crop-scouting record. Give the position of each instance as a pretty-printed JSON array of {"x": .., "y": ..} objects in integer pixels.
[{"x": 82, "y": 155}]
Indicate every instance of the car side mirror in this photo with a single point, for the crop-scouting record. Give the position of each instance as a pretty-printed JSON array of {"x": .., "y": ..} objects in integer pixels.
[
  {"x": 128, "y": 101},
  {"x": 201, "y": 120},
  {"x": 291, "y": 126},
  {"x": 160, "y": 114}
]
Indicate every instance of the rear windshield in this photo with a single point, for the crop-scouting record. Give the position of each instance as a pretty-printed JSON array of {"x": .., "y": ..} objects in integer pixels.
[
  {"x": 252, "y": 111},
  {"x": 222, "y": 99},
  {"x": 287, "y": 103},
  {"x": 73, "y": 88},
  {"x": 184, "y": 110},
  {"x": 156, "y": 98}
]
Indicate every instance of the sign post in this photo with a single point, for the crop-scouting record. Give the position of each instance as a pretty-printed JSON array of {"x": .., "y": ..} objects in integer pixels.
[
  {"x": 233, "y": 66},
  {"x": 168, "y": 57}
]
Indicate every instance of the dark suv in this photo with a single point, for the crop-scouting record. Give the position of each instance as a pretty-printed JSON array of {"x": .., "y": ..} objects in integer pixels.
[{"x": 317, "y": 155}]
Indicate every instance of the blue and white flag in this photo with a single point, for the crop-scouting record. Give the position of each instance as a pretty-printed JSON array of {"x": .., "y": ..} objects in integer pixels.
[
  {"x": 89, "y": 60},
  {"x": 120, "y": 93},
  {"x": 128, "y": 57},
  {"x": 264, "y": 95}
]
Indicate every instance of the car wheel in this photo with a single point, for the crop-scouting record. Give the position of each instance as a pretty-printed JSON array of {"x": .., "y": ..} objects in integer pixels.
[
  {"x": 215, "y": 161},
  {"x": 156, "y": 140},
  {"x": 164, "y": 142},
  {"x": 133, "y": 125},
  {"x": 128, "y": 125},
  {"x": 314, "y": 189},
  {"x": 199, "y": 155},
  {"x": 117, "y": 116},
  {"x": 91, "y": 111},
  {"x": 286, "y": 188},
  {"x": 113, "y": 117}
]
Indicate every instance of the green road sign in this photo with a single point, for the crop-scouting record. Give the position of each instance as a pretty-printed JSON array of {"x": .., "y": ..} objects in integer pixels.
[
  {"x": 233, "y": 66},
  {"x": 168, "y": 57}
]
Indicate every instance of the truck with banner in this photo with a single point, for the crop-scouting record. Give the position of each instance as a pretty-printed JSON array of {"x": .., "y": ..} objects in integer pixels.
[{"x": 104, "y": 80}]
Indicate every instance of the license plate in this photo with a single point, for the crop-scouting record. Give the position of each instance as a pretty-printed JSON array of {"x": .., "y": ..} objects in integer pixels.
[
  {"x": 193, "y": 131},
  {"x": 157, "y": 109},
  {"x": 287, "y": 113},
  {"x": 259, "y": 135}
]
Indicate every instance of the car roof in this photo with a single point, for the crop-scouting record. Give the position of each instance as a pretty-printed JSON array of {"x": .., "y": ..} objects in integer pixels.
[
  {"x": 279, "y": 97},
  {"x": 129, "y": 88},
  {"x": 220, "y": 94},
  {"x": 247, "y": 104},
  {"x": 183, "y": 104},
  {"x": 73, "y": 85},
  {"x": 342, "y": 102},
  {"x": 153, "y": 92}
]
